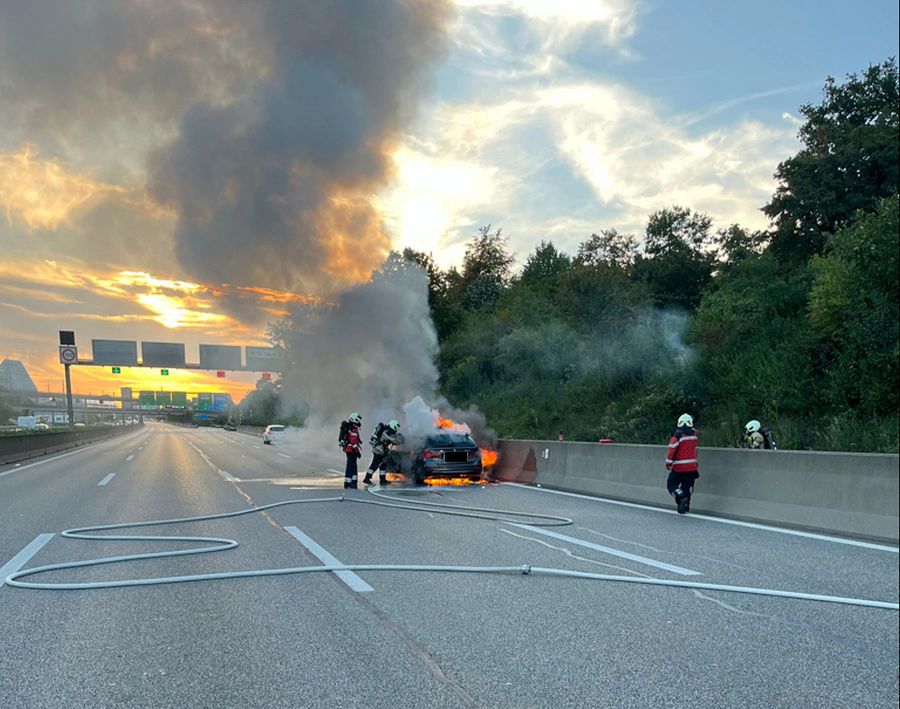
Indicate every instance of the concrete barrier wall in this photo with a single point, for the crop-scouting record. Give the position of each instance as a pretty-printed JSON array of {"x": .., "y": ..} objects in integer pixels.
[
  {"x": 853, "y": 494},
  {"x": 28, "y": 445}
]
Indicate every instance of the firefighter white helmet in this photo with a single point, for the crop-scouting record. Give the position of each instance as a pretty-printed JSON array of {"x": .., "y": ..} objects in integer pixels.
[
  {"x": 753, "y": 426},
  {"x": 355, "y": 418},
  {"x": 394, "y": 424},
  {"x": 686, "y": 420}
]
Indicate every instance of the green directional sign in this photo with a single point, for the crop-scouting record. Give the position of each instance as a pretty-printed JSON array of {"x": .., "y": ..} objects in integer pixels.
[
  {"x": 164, "y": 372},
  {"x": 117, "y": 370},
  {"x": 204, "y": 402},
  {"x": 179, "y": 399},
  {"x": 147, "y": 399},
  {"x": 163, "y": 398}
]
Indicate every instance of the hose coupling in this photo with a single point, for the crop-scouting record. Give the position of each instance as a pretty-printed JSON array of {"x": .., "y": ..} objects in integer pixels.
[{"x": 525, "y": 568}]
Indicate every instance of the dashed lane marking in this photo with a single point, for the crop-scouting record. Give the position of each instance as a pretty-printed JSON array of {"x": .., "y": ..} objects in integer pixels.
[
  {"x": 106, "y": 480},
  {"x": 353, "y": 581},
  {"x": 20, "y": 559}
]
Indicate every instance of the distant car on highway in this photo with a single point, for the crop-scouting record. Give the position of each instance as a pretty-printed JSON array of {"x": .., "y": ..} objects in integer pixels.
[
  {"x": 443, "y": 455},
  {"x": 41, "y": 427},
  {"x": 229, "y": 427},
  {"x": 273, "y": 432}
]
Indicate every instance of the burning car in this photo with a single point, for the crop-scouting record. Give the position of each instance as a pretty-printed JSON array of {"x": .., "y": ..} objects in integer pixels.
[
  {"x": 435, "y": 450},
  {"x": 445, "y": 454}
]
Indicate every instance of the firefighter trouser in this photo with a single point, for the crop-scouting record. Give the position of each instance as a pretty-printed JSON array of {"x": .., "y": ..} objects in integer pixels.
[
  {"x": 377, "y": 462},
  {"x": 681, "y": 484},
  {"x": 350, "y": 473}
]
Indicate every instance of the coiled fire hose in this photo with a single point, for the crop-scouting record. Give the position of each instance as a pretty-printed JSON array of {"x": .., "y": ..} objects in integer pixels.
[{"x": 221, "y": 544}]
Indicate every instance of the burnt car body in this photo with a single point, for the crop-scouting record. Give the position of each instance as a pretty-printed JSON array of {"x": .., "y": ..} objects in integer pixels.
[{"x": 440, "y": 455}]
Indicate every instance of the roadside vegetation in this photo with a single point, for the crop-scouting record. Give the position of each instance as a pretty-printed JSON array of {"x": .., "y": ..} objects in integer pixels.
[{"x": 796, "y": 326}]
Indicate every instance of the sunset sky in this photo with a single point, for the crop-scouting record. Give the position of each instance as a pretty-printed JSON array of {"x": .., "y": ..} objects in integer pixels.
[{"x": 186, "y": 170}]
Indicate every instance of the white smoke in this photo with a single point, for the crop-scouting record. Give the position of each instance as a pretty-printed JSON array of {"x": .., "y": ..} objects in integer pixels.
[{"x": 372, "y": 351}]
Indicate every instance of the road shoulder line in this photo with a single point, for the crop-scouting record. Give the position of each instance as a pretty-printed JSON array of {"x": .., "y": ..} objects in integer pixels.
[
  {"x": 637, "y": 558},
  {"x": 720, "y": 520}
]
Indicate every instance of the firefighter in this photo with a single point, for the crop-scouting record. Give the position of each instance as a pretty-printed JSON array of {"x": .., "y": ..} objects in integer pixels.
[
  {"x": 383, "y": 437},
  {"x": 350, "y": 443},
  {"x": 757, "y": 437},
  {"x": 681, "y": 462}
]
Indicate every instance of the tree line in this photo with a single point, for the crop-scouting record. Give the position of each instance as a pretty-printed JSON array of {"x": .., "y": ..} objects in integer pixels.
[{"x": 795, "y": 325}]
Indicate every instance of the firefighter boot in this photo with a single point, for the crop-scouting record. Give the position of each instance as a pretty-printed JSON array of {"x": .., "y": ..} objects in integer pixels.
[{"x": 368, "y": 479}]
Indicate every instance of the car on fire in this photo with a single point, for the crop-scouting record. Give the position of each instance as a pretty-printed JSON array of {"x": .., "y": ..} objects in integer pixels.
[{"x": 441, "y": 455}]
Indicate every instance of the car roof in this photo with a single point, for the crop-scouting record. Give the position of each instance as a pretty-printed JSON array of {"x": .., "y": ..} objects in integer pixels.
[{"x": 449, "y": 439}]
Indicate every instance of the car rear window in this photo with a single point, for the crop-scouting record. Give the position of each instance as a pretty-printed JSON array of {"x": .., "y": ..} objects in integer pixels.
[
  {"x": 276, "y": 427},
  {"x": 450, "y": 440}
]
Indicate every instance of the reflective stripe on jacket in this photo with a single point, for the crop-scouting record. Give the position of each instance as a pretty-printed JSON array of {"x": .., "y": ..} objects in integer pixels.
[{"x": 681, "y": 456}]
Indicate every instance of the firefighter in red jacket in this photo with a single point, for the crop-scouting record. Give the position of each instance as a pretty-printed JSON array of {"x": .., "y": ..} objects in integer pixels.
[
  {"x": 350, "y": 443},
  {"x": 681, "y": 462}
]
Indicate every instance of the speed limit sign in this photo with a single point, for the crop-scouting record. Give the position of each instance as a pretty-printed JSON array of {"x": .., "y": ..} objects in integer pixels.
[{"x": 68, "y": 354}]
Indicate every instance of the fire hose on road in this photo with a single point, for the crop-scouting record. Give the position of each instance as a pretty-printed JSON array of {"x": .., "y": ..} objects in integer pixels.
[{"x": 221, "y": 544}]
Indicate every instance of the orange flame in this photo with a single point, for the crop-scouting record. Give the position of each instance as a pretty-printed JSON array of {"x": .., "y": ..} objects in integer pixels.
[
  {"x": 453, "y": 482},
  {"x": 489, "y": 457},
  {"x": 443, "y": 422}
]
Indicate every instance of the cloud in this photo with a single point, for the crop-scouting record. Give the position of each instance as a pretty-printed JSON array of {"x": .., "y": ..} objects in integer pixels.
[
  {"x": 53, "y": 289},
  {"x": 552, "y": 24},
  {"x": 100, "y": 84},
  {"x": 564, "y": 160},
  {"x": 42, "y": 194}
]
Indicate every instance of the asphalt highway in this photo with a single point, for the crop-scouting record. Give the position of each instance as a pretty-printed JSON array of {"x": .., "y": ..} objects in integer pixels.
[{"x": 414, "y": 639}]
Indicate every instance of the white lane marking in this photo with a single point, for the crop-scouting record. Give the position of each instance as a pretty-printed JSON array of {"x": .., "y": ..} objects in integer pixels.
[
  {"x": 227, "y": 476},
  {"x": 572, "y": 554},
  {"x": 348, "y": 577},
  {"x": 106, "y": 480},
  {"x": 20, "y": 559},
  {"x": 680, "y": 570},
  {"x": 663, "y": 551},
  {"x": 129, "y": 458},
  {"x": 336, "y": 472},
  {"x": 283, "y": 455},
  {"x": 43, "y": 461},
  {"x": 721, "y": 520}
]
